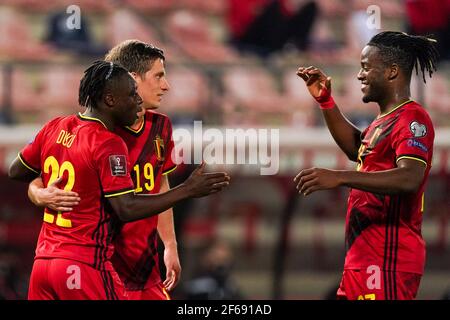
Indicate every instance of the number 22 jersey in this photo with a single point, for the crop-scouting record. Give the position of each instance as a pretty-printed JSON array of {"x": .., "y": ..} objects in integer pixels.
[{"x": 93, "y": 162}]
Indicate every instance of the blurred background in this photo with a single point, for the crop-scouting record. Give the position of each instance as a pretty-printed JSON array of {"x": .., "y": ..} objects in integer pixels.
[{"x": 230, "y": 64}]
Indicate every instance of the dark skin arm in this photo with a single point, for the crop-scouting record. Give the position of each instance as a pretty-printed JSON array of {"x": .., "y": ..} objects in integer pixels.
[
  {"x": 130, "y": 207},
  {"x": 17, "y": 171},
  {"x": 346, "y": 135},
  {"x": 406, "y": 178}
]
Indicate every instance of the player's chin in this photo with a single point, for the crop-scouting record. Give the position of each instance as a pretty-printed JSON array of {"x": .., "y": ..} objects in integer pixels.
[{"x": 367, "y": 98}]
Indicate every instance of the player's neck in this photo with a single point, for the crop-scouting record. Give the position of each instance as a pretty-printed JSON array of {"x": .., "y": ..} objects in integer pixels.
[
  {"x": 104, "y": 118},
  {"x": 138, "y": 123},
  {"x": 394, "y": 100}
]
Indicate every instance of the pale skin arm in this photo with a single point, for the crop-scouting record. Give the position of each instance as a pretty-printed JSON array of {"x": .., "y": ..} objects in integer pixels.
[
  {"x": 406, "y": 178},
  {"x": 167, "y": 234},
  {"x": 52, "y": 197}
]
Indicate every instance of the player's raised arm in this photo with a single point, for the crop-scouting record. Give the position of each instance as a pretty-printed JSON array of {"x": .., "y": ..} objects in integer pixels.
[
  {"x": 346, "y": 135},
  {"x": 131, "y": 207}
]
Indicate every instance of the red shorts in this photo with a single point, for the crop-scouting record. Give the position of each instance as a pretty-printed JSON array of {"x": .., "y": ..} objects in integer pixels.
[
  {"x": 376, "y": 284},
  {"x": 156, "y": 292},
  {"x": 64, "y": 279}
]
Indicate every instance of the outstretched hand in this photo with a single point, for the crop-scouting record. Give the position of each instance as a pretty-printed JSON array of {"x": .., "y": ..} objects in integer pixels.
[
  {"x": 314, "y": 179},
  {"x": 200, "y": 184}
]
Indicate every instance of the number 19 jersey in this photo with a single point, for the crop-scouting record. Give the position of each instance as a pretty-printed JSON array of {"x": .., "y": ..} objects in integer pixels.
[{"x": 93, "y": 162}]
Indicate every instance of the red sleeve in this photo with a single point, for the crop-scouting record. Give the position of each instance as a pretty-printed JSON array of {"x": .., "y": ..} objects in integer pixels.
[
  {"x": 30, "y": 156},
  {"x": 114, "y": 168},
  {"x": 413, "y": 136},
  {"x": 169, "y": 165}
]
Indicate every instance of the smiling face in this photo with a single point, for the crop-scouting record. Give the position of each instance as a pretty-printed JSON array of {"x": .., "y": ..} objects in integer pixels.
[
  {"x": 152, "y": 85},
  {"x": 373, "y": 75}
]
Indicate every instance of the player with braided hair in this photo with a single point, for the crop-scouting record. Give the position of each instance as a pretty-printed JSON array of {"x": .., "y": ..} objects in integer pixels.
[
  {"x": 385, "y": 251},
  {"x": 83, "y": 154}
]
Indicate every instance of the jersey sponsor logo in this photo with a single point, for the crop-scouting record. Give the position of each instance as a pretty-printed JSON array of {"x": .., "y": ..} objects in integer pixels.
[
  {"x": 417, "y": 129},
  {"x": 417, "y": 144},
  {"x": 159, "y": 148},
  {"x": 118, "y": 165}
]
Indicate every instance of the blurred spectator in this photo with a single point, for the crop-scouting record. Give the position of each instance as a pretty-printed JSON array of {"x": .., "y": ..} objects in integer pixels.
[
  {"x": 431, "y": 17},
  {"x": 77, "y": 40},
  {"x": 267, "y": 26},
  {"x": 213, "y": 281},
  {"x": 8, "y": 277}
]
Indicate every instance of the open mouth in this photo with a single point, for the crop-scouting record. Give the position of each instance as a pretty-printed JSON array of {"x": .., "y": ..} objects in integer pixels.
[{"x": 364, "y": 86}]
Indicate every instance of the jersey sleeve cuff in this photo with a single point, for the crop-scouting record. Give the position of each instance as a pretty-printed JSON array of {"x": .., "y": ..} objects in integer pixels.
[
  {"x": 118, "y": 193},
  {"x": 169, "y": 170},
  {"x": 412, "y": 157},
  {"x": 28, "y": 166}
]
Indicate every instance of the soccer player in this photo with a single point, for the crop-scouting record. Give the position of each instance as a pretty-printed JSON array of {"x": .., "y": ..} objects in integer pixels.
[
  {"x": 150, "y": 144},
  {"x": 75, "y": 247},
  {"x": 385, "y": 252}
]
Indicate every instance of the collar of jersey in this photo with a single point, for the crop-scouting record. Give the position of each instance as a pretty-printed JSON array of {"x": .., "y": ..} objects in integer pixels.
[
  {"x": 395, "y": 108},
  {"x": 83, "y": 117},
  {"x": 141, "y": 128}
]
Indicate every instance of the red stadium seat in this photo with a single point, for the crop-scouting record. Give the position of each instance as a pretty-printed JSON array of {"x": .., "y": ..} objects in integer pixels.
[
  {"x": 192, "y": 34},
  {"x": 124, "y": 24},
  {"x": 17, "y": 41},
  {"x": 189, "y": 91},
  {"x": 60, "y": 90}
]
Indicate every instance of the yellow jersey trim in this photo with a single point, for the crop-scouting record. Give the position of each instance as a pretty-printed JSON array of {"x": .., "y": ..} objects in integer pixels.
[
  {"x": 91, "y": 118},
  {"x": 118, "y": 193},
  {"x": 27, "y": 166},
  {"x": 170, "y": 171},
  {"x": 140, "y": 127},
  {"x": 412, "y": 158},
  {"x": 166, "y": 294},
  {"x": 395, "y": 108}
]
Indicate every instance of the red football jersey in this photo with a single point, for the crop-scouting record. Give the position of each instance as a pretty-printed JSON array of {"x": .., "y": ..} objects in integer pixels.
[
  {"x": 150, "y": 147},
  {"x": 385, "y": 230},
  {"x": 94, "y": 163}
]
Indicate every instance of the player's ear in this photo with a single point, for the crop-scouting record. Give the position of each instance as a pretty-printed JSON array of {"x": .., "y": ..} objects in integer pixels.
[
  {"x": 135, "y": 76},
  {"x": 393, "y": 71},
  {"x": 108, "y": 99}
]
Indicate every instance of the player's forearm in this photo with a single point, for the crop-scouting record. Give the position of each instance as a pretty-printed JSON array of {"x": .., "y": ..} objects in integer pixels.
[
  {"x": 346, "y": 135},
  {"x": 166, "y": 229},
  {"x": 388, "y": 182},
  {"x": 33, "y": 191},
  {"x": 130, "y": 207}
]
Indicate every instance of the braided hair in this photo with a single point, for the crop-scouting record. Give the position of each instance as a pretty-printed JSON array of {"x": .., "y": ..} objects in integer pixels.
[
  {"x": 408, "y": 51},
  {"x": 94, "y": 82}
]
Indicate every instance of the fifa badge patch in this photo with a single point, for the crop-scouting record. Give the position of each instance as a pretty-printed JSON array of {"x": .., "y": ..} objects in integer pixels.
[
  {"x": 417, "y": 129},
  {"x": 159, "y": 148},
  {"x": 118, "y": 165}
]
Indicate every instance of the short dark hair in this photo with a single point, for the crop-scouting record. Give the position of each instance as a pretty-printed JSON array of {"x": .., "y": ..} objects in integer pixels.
[
  {"x": 408, "y": 51},
  {"x": 94, "y": 81},
  {"x": 135, "y": 55}
]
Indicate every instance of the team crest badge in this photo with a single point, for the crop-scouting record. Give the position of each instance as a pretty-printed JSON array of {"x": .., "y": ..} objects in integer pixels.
[
  {"x": 417, "y": 129},
  {"x": 159, "y": 148}
]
